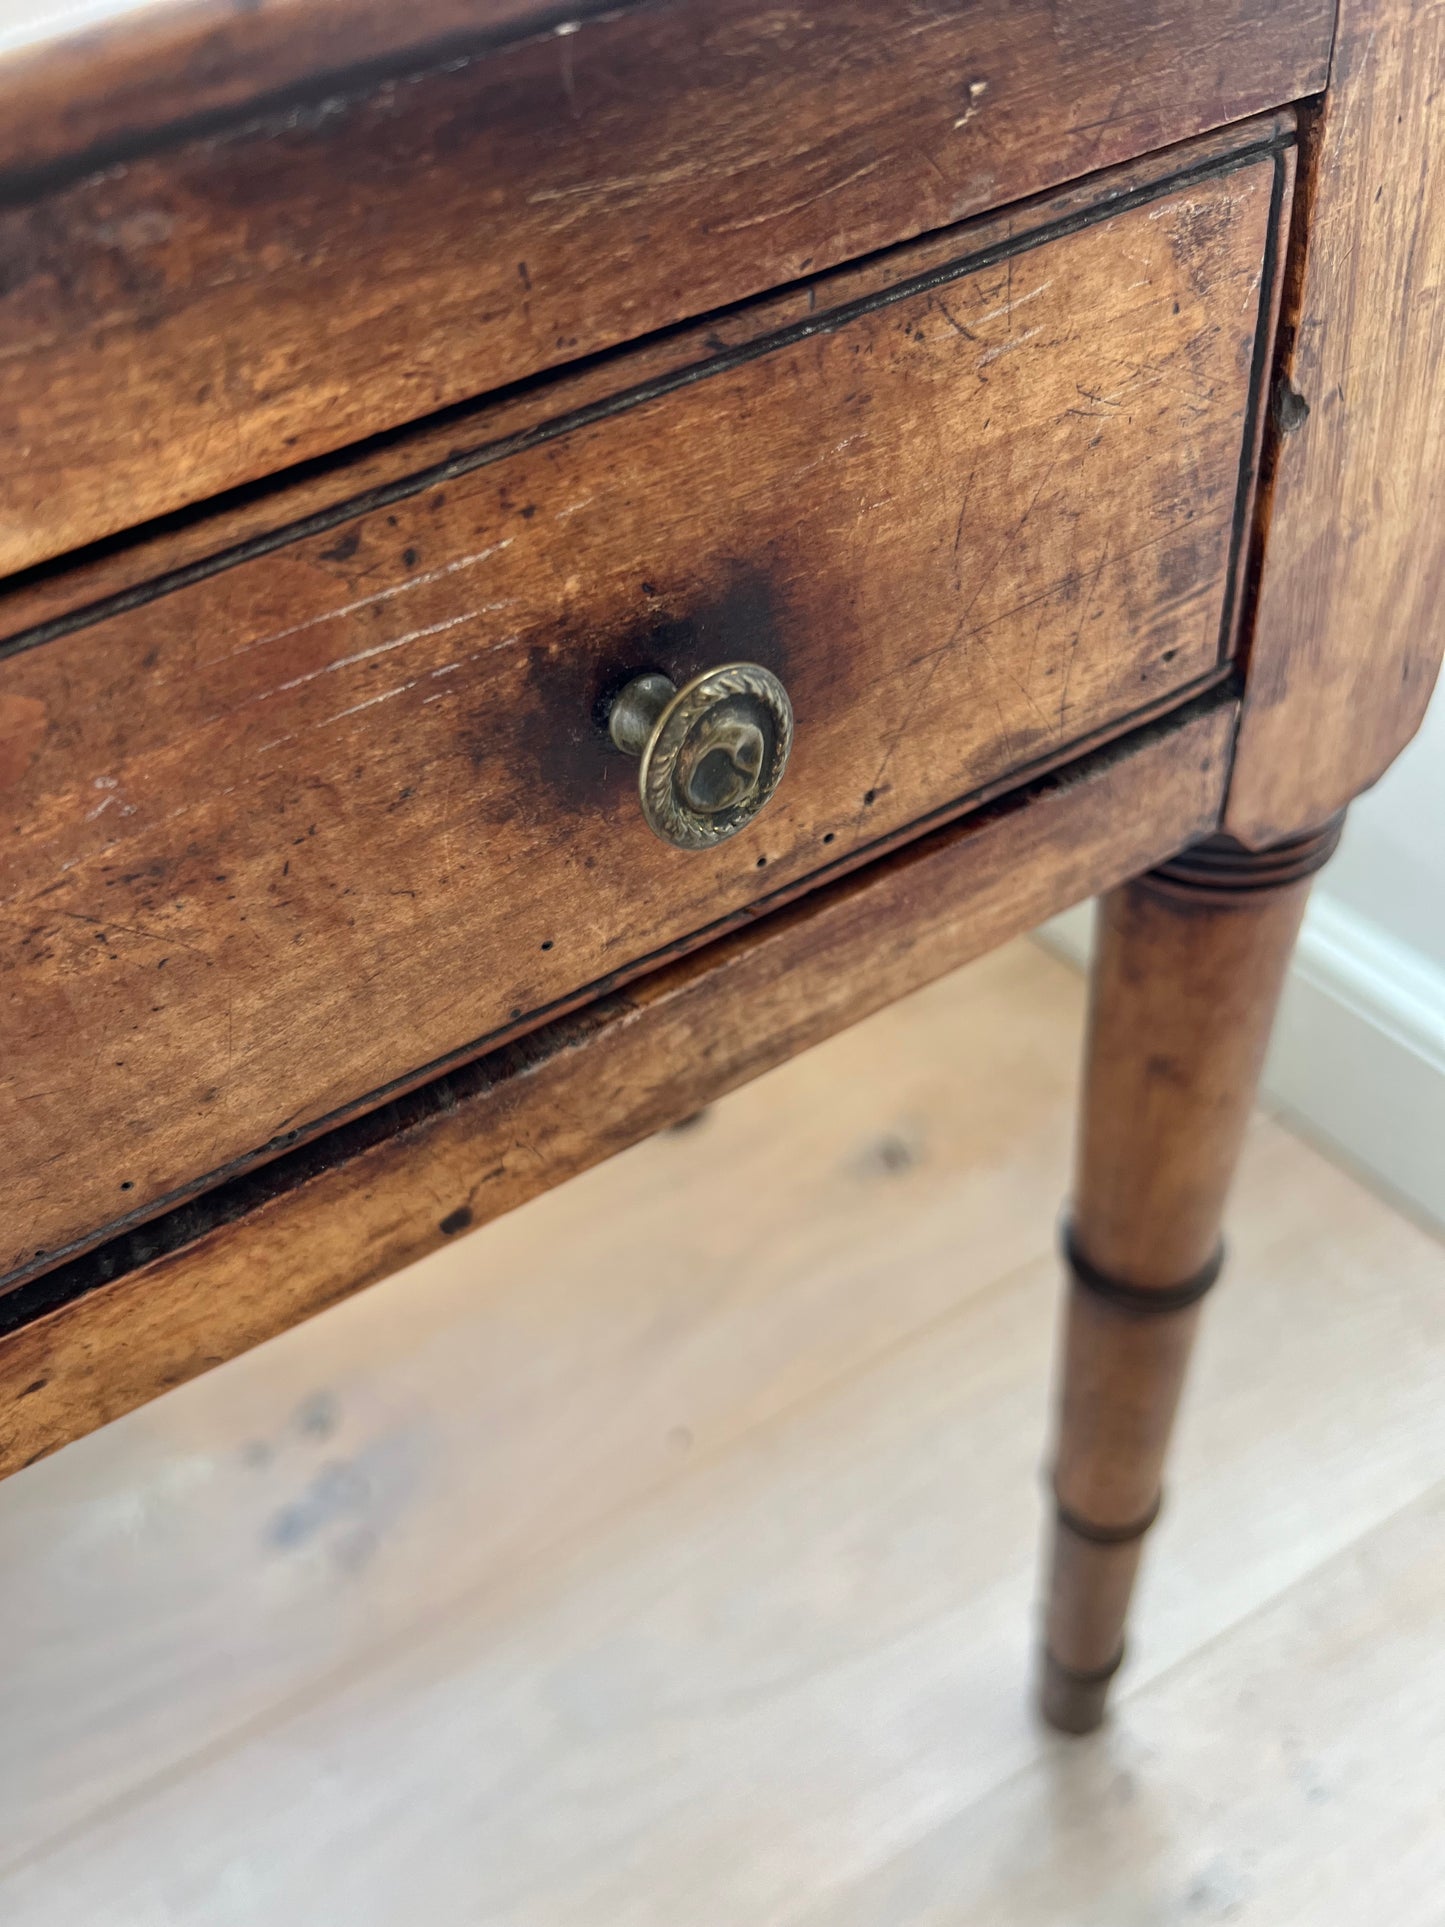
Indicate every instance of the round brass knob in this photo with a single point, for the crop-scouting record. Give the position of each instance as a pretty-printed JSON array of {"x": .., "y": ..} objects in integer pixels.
[{"x": 710, "y": 754}]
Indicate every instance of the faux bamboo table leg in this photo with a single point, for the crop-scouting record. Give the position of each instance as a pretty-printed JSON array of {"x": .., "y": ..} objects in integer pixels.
[{"x": 1190, "y": 964}]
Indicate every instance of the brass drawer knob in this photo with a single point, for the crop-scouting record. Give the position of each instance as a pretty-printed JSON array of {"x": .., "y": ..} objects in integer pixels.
[{"x": 711, "y": 753}]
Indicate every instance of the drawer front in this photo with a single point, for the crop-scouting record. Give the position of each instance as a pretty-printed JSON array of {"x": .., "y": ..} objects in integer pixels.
[
  {"x": 216, "y": 307},
  {"x": 341, "y": 810}
]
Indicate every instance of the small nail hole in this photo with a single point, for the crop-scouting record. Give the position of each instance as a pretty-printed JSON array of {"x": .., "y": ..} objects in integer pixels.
[
  {"x": 870, "y": 796},
  {"x": 548, "y": 944},
  {"x": 829, "y": 837},
  {"x": 128, "y": 1184},
  {"x": 761, "y": 861}
]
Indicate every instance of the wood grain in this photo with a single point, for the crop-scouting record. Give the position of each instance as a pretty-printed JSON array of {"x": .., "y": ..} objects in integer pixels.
[
  {"x": 1260, "y": 1780},
  {"x": 192, "y": 318},
  {"x": 1190, "y": 964},
  {"x": 40, "y": 603},
  {"x": 305, "y": 827},
  {"x": 1349, "y": 632},
  {"x": 303, "y": 1233},
  {"x": 1185, "y": 986}
]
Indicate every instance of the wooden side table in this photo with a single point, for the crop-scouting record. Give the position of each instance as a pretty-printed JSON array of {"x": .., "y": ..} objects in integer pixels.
[{"x": 553, "y": 560}]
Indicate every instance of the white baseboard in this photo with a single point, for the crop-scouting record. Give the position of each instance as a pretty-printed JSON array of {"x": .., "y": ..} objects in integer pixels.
[{"x": 1358, "y": 1058}]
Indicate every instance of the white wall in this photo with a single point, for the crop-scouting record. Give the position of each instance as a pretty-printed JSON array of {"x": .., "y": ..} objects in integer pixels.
[
  {"x": 1358, "y": 1060},
  {"x": 1390, "y": 866},
  {"x": 1359, "y": 1051}
]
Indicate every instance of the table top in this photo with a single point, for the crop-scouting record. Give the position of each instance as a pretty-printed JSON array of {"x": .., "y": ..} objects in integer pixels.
[{"x": 93, "y": 77}]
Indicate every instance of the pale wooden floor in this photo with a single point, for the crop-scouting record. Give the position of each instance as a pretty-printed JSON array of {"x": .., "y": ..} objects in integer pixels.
[{"x": 664, "y": 1557}]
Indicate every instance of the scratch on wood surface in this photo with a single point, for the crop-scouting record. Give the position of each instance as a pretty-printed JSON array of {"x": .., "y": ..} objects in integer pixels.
[
  {"x": 616, "y": 184},
  {"x": 952, "y": 319},
  {"x": 977, "y": 635},
  {"x": 795, "y": 207},
  {"x": 132, "y": 930},
  {"x": 897, "y": 735},
  {"x": 1011, "y": 304},
  {"x": 1007, "y": 347},
  {"x": 370, "y": 703},
  {"x": 1050, "y": 590},
  {"x": 503, "y": 642},
  {"x": 1101, "y": 401},
  {"x": 1078, "y": 633},
  {"x": 1008, "y": 541},
  {"x": 368, "y": 601},
  {"x": 396, "y": 642},
  {"x": 1044, "y": 603}
]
